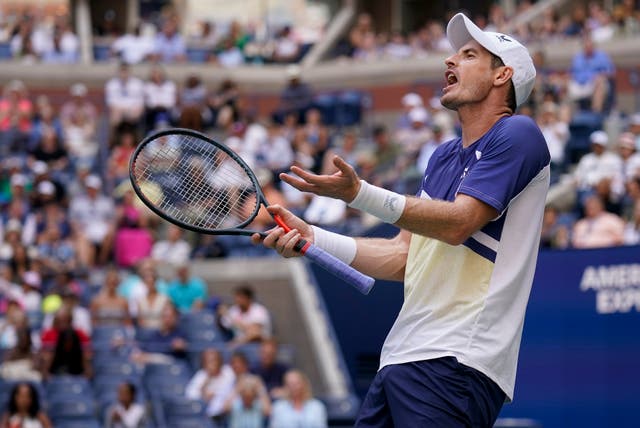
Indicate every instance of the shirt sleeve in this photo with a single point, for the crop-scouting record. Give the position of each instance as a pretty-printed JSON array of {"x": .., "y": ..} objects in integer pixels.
[{"x": 509, "y": 161}]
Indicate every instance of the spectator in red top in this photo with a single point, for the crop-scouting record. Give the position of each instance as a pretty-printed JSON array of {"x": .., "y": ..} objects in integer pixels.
[{"x": 65, "y": 350}]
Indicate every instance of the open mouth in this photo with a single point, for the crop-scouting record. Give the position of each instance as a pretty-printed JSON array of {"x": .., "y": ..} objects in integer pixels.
[{"x": 450, "y": 78}]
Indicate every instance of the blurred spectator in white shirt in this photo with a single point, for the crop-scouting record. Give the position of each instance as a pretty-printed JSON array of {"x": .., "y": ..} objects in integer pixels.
[
  {"x": 126, "y": 413},
  {"x": 124, "y": 96},
  {"x": 409, "y": 101},
  {"x": 632, "y": 227},
  {"x": 160, "y": 97},
  {"x": 212, "y": 383},
  {"x": 169, "y": 45},
  {"x": 555, "y": 132},
  {"x": 174, "y": 249},
  {"x": 397, "y": 47},
  {"x": 79, "y": 126},
  {"x": 287, "y": 47},
  {"x": 598, "y": 165},
  {"x": 92, "y": 217},
  {"x": 248, "y": 320},
  {"x": 64, "y": 46},
  {"x": 28, "y": 293},
  {"x": 133, "y": 47},
  {"x": 598, "y": 228},
  {"x": 231, "y": 55}
]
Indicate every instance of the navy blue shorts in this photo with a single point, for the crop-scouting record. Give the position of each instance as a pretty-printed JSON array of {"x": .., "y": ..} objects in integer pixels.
[{"x": 431, "y": 393}]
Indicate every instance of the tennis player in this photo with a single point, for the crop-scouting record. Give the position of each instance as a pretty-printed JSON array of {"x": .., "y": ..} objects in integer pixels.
[{"x": 466, "y": 251}]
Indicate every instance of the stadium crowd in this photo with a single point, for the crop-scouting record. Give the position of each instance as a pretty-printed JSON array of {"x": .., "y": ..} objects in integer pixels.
[{"x": 81, "y": 292}]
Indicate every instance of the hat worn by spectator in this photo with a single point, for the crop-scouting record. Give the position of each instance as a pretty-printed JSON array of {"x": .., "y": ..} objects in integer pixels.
[
  {"x": 32, "y": 279},
  {"x": 18, "y": 180},
  {"x": 46, "y": 188},
  {"x": 600, "y": 138},
  {"x": 40, "y": 168},
  {"x": 13, "y": 225},
  {"x": 419, "y": 115},
  {"x": 78, "y": 90},
  {"x": 461, "y": 30},
  {"x": 412, "y": 100},
  {"x": 627, "y": 140},
  {"x": 93, "y": 182},
  {"x": 293, "y": 71},
  {"x": 635, "y": 120}
]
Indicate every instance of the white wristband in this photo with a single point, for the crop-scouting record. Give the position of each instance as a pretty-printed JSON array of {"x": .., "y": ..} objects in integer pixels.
[
  {"x": 340, "y": 246},
  {"x": 382, "y": 203}
]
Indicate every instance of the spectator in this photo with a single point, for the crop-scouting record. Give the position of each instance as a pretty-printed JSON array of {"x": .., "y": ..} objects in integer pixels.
[
  {"x": 397, "y": 47},
  {"x": 169, "y": 45},
  {"x": 65, "y": 350},
  {"x": 14, "y": 319},
  {"x": 149, "y": 308},
  {"x": 79, "y": 127},
  {"x": 629, "y": 155},
  {"x": 133, "y": 241},
  {"x": 51, "y": 151},
  {"x": 133, "y": 47},
  {"x": 28, "y": 293},
  {"x": 595, "y": 166},
  {"x": 296, "y": 97},
  {"x": 187, "y": 292},
  {"x": 70, "y": 295},
  {"x": 632, "y": 227},
  {"x": 270, "y": 370},
  {"x": 64, "y": 47},
  {"x": 248, "y": 320},
  {"x": 126, "y": 413},
  {"x": 230, "y": 55},
  {"x": 193, "y": 109},
  {"x": 287, "y": 48},
  {"x": 212, "y": 383},
  {"x": 20, "y": 362},
  {"x": 299, "y": 408},
  {"x": 361, "y": 31},
  {"x": 118, "y": 162},
  {"x": 79, "y": 104},
  {"x": 555, "y": 132},
  {"x": 590, "y": 73},
  {"x": 16, "y": 111},
  {"x": 250, "y": 406},
  {"x": 55, "y": 249},
  {"x": 173, "y": 250},
  {"x": 598, "y": 228},
  {"x": 554, "y": 234},
  {"x": 93, "y": 222},
  {"x": 409, "y": 102},
  {"x": 124, "y": 96},
  {"x": 23, "y": 409},
  {"x": 107, "y": 307},
  {"x": 208, "y": 247},
  {"x": 165, "y": 344},
  {"x": 160, "y": 98}
]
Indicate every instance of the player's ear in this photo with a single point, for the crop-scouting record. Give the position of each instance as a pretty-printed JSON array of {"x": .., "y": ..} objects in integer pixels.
[{"x": 502, "y": 75}]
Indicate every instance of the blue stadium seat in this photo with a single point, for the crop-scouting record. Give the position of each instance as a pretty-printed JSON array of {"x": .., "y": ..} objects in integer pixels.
[
  {"x": 78, "y": 423},
  {"x": 77, "y": 409},
  {"x": 581, "y": 126},
  {"x": 67, "y": 386},
  {"x": 341, "y": 408},
  {"x": 35, "y": 319},
  {"x": 327, "y": 104},
  {"x": 349, "y": 108},
  {"x": 197, "y": 54},
  {"x": 101, "y": 52},
  {"x": 5, "y": 51},
  {"x": 118, "y": 369}
]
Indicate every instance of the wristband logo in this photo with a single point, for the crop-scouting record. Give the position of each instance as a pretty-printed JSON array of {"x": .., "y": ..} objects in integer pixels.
[{"x": 391, "y": 203}]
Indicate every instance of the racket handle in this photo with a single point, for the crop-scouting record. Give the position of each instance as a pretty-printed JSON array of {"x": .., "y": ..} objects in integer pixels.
[{"x": 363, "y": 283}]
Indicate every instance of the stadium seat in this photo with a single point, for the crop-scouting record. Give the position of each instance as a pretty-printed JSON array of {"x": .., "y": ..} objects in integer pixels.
[
  {"x": 67, "y": 386},
  {"x": 5, "y": 51},
  {"x": 101, "y": 52},
  {"x": 116, "y": 369},
  {"x": 349, "y": 108},
  {"x": 197, "y": 55},
  {"x": 341, "y": 408},
  {"x": 78, "y": 423},
  {"x": 580, "y": 128},
  {"x": 76, "y": 409},
  {"x": 516, "y": 423}
]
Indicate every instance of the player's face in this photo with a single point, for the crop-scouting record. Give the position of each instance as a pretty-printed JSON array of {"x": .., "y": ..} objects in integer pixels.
[{"x": 469, "y": 76}]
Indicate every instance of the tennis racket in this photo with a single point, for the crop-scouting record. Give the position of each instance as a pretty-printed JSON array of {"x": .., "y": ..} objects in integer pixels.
[{"x": 199, "y": 184}]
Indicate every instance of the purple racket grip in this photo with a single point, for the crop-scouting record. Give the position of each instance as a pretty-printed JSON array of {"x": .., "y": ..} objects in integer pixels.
[{"x": 363, "y": 283}]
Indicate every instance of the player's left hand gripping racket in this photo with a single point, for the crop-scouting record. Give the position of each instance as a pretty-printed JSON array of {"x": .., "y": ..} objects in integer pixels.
[{"x": 201, "y": 185}]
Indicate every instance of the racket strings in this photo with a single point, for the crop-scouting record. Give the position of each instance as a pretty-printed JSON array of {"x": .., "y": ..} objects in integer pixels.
[{"x": 200, "y": 184}]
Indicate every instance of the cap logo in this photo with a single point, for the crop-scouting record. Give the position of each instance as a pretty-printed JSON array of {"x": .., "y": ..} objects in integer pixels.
[{"x": 503, "y": 38}]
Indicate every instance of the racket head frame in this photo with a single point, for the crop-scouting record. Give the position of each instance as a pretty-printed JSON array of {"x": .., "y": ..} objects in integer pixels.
[{"x": 239, "y": 229}]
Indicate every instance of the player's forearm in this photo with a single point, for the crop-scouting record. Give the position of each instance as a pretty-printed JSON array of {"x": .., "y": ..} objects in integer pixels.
[
  {"x": 446, "y": 221},
  {"x": 382, "y": 258}
]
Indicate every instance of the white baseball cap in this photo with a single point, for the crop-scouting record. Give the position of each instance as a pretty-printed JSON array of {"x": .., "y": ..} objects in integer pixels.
[
  {"x": 461, "y": 29},
  {"x": 46, "y": 188},
  {"x": 412, "y": 100},
  {"x": 600, "y": 138},
  {"x": 418, "y": 114},
  {"x": 93, "y": 181}
]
